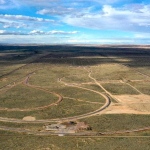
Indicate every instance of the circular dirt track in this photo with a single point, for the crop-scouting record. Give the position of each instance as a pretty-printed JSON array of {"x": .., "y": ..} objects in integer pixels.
[
  {"x": 60, "y": 98},
  {"x": 37, "y": 108},
  {"x": 108, "y": 102}
]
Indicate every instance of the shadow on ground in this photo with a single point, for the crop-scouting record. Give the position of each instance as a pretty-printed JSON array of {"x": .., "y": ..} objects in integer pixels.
[{"x": 77, "y": 55}]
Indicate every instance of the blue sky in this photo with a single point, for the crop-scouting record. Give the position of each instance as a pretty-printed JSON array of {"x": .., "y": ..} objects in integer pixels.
[{"x": 75, "y": 21}]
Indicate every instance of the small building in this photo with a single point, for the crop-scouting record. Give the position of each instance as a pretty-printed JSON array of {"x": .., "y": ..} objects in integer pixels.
[{"x": 67, "y": 127}]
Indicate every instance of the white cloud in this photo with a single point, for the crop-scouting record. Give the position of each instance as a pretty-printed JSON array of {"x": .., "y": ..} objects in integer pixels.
[
  {"x": 2, "y": 2},
  {"x": 24, "y": 18},
  {"x": 20, "y": 21},
  {"x": 113, "y": 18},
  {"x": 40, "y": 2},
  {"x": 9, "y": 24},
  {"x": 37, "y": 32},
  {"x": 2, "y": 31},
  {"x": 56, "y": 11},
  {"x": 142, "y": 35},
  {"x": 111, "y": 1},
  {"x": 6, "y": 4},
  {"x": 49, "y": 39},
  {"x": 48, "y": 3},
  {"x": 30, "y": 39},
  {"x": 62, "y": 32},
  {"x": 52, "y": 32}
]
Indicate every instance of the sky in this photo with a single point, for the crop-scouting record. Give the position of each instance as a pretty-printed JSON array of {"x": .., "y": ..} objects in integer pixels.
[{"x": 75, "y": 21}]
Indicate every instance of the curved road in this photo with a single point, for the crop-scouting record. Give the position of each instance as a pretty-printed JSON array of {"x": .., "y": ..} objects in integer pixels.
[{"x": 98, "y": 111}]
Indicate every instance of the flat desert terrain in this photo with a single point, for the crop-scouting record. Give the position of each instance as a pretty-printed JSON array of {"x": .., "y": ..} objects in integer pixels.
[{"x": 77, "y": 96}]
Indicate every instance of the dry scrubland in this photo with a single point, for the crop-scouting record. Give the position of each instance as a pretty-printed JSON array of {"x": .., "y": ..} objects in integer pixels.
[{"x": 106, "y": 87}]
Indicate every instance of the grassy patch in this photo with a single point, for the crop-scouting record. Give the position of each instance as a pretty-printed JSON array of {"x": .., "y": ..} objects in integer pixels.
[
  {"x": 50, "y": 74},
  {"x": 115, "y": 72},
  {"x": 82, "y": 94},
  {"x": 132, "y": 75},
  {"x": 119, "y": 88},
  {"x": 4, "y": 69},
  {"x": 121, "y": 122},
  {"x": 144, "y": 87},
  {"x": 80, "y": 78},
  {"x": 18, "y": 74},
  {"x": 47, "y": 76},
  {"x": 67, "y": 62},
  {"x": 108, "y": 71},
  {"x": 25, "y": 97},
  {"x": 25, "y": 142},
  {"x": 67, "y": 108},
  {"x": 92, "y": 87},
  {"x": 145, "y": 70},
  {"x": 31, "y": 126}
]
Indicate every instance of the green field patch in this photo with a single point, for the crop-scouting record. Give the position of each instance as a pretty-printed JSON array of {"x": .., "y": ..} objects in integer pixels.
[
  {"x": 80, "y": 78},
  {"x": 79, "y": 93},
  {"x": 115, "y": 72},
  {"x": 144, "y": 87},
  {"x": 144, "y": 70},
  {"x": 6, "y": 68},
  {"x": 143, "y": 133},
  {"x": 117, "y": 122},
  {"x": 19, "y": 74},
  {"x": 50, "y": 75},
  {"x": 77, "y": 75},
  {"x": 43, "y": 78},
  {"x": 26, "y": 97},
  {"x": 67, "y": 108},
  {"x": 31, "y": 126},
  {"x": 18, "y": 141},
  {"x": 132, "y": 75},
  {"x": 92, "y": 87},
  {"x": 3, "y": 83},
  {"x": 108, "y": 71},
  {"x": 119, "y": 88}
]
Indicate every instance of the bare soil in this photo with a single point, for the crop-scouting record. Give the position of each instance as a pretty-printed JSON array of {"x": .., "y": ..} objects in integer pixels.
[
  {"x": 29, "y": 118},
  {"x": 142, "y": 98},
  {"x": 127, "y": 102}
]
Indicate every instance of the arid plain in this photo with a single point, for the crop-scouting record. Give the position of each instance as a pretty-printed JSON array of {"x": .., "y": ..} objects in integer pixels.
[{"x": 93, "y": 96}]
